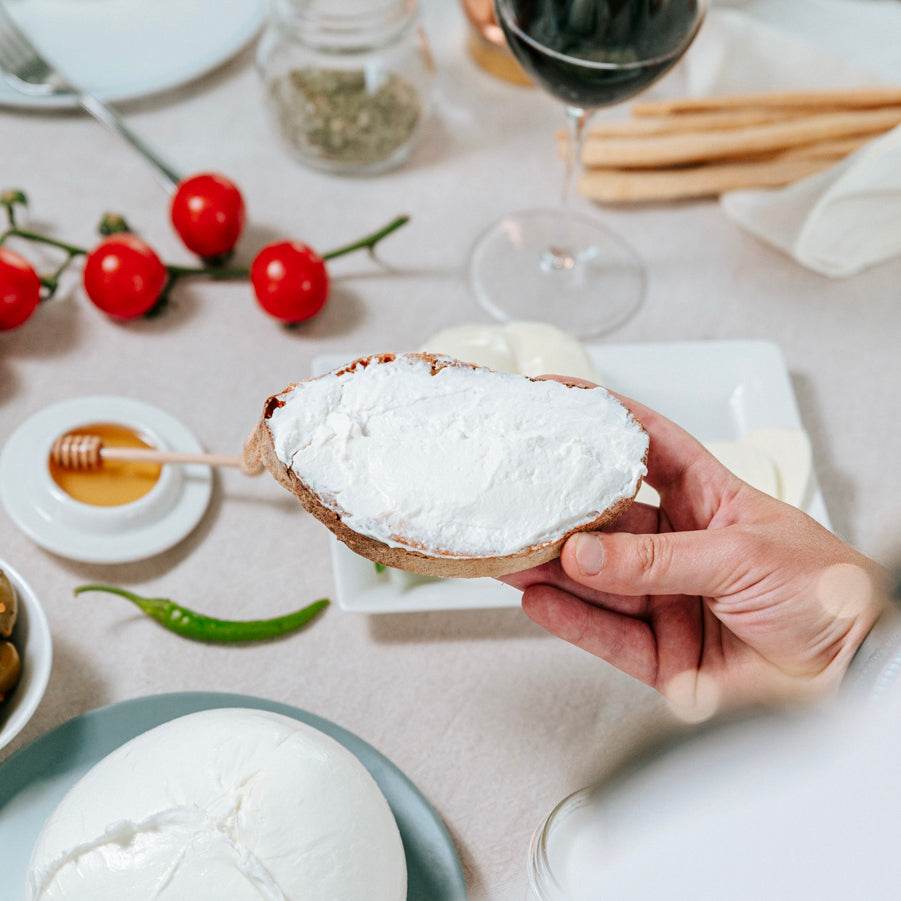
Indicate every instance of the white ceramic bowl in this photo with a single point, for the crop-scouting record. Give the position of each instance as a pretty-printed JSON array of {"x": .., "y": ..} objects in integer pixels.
[
  {"x": 31, "y": 636},
  {"x": 119, "y": 534}
]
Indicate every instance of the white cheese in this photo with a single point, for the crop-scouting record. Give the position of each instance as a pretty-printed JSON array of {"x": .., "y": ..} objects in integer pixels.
[
  {"x": 541, "y": 349},
  {"x": 231, "y": 804},
  {"x": 775, "y": 460},
  {"x": 749, "y": 463},
  {"x": 528, "y": 348},
  {"x": 791, "y": 452},
  {"x": 467, "y": 463},
  {"x": 481, "y": 345}
]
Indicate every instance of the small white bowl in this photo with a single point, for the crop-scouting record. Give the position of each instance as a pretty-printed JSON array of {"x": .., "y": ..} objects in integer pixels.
[
  {"x": 119, "y": 534},
  {"x": 31, "y": 636}
]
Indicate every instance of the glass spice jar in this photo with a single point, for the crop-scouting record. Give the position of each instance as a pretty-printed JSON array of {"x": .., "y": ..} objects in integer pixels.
[{"x": 348, "y": 84}]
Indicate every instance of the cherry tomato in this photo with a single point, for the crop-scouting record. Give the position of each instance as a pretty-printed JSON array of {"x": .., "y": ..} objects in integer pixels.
[
  {"x": 20, "y": 289},
  {"x": 207, "y": 212},
  {"x": 123, "y": 276},
  {"x": 290, "y": 281}
]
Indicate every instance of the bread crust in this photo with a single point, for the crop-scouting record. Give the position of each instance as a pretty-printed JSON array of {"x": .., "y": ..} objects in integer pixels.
[{"x": 259, "y": 449}]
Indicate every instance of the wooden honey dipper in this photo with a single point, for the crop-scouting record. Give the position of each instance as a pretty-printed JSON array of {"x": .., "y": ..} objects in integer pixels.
[{"x": 86, "y": 452}]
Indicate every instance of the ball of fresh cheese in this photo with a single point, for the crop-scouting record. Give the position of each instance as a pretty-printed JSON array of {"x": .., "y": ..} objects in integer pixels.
[
  {"x": 527, "y": 348},
  {"x": 231, "y": 804}
]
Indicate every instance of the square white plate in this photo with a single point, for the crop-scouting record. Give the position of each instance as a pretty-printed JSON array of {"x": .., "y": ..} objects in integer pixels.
[{"x": 717, "y": 390}]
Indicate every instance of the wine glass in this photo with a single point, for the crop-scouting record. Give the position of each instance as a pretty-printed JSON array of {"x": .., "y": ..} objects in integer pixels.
[{"x": 560, "y": 266}]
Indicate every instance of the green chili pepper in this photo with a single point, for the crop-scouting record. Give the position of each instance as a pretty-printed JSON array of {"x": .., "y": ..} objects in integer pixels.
[{"x": 189, "y": 624}]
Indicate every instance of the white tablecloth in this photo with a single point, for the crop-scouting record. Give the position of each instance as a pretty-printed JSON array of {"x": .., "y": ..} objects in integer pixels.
[{"x": 491, "y": 718}]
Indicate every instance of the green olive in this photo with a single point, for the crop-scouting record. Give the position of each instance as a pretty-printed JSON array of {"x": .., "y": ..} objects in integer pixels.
[
  {"x": 10, "y": 667},
  {"x": 8, "y": 606}
]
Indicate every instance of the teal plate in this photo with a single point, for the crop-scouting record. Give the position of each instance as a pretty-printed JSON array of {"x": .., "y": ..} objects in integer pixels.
[{"x": 35, "y": 778}]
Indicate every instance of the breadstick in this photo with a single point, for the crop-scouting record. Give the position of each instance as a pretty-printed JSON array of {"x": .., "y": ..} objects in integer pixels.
[
  {"x": 629, "y": 185},
  {"x": 835, "y": 148},
  {"x": 703, "y": 121},
  {"x": 856, "y": 98},
  {"x": 680, "y": 149},
  {"x": 824, "y": 150}
]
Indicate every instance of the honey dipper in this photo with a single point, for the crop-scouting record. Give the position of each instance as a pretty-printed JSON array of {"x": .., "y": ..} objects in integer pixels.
[{"x": 87, "y": 452}]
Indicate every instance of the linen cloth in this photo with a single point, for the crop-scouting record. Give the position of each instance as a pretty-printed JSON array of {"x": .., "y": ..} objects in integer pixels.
[{"x": 848, "y": 217}]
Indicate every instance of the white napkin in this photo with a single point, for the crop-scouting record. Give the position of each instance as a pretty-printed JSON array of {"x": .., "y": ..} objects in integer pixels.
[
  {"x": 736, "y": 53},
  {"x": 836, "y": 222},
  {"x": 848, "y": 217}
]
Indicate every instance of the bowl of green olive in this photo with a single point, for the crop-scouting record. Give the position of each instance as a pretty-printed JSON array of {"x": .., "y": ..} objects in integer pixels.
[{"x": 26, "y": 653}]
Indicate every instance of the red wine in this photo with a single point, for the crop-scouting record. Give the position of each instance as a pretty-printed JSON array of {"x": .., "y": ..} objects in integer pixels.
[{"x": 592, "y": 53}]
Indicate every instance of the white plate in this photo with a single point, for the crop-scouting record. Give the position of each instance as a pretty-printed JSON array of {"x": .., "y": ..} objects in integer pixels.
[
  {"x": 36, "y": 777},
  {"x": 121, "y": 534},
  {"x": 124, "y": 49},
  {"x": 717, "y": 390}
]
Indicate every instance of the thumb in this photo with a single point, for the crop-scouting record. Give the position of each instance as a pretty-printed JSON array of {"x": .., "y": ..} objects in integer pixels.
[{"x": 694, "y": 563}]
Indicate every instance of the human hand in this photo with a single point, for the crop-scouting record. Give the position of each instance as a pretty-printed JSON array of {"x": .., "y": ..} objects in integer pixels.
[{"x": 723, "y": 596}]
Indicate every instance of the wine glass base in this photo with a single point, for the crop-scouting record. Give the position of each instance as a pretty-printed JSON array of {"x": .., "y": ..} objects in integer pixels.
[{"x": 568, "y": 270}]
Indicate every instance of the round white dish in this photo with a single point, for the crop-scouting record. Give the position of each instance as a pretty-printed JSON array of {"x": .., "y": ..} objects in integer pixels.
[
  {"x": 31, "y": 636},
  {"x": 134, "y": 531},
  {"x": 36, "y": 777},
  {"x": 125, "y": 49}
]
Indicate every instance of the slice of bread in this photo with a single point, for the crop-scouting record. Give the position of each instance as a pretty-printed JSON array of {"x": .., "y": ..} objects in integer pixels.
[{"x": 459, "y": 457}]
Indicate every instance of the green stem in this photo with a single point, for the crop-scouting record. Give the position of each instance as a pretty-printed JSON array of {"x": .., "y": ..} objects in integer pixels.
[
  {"x": 71, "y": 249},
  {"x": 370, "y": 241},
  {"x": 51, "y": 282},
  {"x": 219, "y": 273}
]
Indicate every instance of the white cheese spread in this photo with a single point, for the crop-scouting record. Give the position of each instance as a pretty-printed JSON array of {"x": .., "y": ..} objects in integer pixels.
[
  {"x": 463, "y": 462},
  {"x": 230, "y": 804}
]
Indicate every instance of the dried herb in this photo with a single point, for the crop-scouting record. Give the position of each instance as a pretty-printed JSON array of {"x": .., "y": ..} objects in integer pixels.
[{"x": 346, "y": 116}]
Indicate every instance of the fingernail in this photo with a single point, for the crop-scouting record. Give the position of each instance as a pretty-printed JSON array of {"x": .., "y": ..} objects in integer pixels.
[{"x": 589, "y": 554}]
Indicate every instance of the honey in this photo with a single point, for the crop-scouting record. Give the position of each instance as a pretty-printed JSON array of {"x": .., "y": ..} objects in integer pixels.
[
  {"x": 496, "y": 59},
  {"x": 487, "y": 44},
  {"x": 114, "y": 482}
]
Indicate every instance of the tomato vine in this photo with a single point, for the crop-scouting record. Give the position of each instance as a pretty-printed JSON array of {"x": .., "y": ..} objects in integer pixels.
[{"x": 125, "y": 278}]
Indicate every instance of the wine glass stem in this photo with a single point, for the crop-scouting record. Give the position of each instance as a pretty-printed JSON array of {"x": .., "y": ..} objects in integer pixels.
[
  {"x": 577, "y": 121},
  {"x": 563, "y": 255}
]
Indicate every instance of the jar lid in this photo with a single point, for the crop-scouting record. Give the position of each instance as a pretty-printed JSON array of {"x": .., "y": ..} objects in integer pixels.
[{"x": 352, "y": 25}]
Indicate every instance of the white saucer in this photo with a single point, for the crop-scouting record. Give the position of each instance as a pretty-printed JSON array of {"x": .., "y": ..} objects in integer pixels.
[
  {"x": 125, "y": 49},
  {"x": 133, "y": 531}
]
